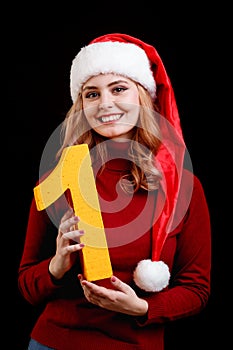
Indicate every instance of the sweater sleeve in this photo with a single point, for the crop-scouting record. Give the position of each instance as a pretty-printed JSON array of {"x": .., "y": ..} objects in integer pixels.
[
  {"x": 189, "y": 287},
  {"x": 34, "y": 279}
]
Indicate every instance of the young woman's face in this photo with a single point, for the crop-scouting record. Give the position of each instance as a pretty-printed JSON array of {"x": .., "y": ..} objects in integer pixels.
[{"x": 111, "y": 105}]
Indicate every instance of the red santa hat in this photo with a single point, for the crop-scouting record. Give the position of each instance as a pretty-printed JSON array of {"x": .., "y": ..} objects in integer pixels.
[
  {"x": 128, "y": 56},
  {"x": 111, "y": 57}
]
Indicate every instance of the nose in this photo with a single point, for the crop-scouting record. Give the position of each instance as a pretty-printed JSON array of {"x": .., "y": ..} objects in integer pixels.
[{"x": 106, "y": 101}]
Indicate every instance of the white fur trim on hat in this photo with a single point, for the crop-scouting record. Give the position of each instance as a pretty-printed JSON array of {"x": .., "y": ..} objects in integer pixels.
[
  {"x": 151, "y": 276},
  {"x": 120, "y": 58}
]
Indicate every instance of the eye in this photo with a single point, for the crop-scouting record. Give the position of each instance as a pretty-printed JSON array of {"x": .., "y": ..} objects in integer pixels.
[
  {"x": 92, "y": 94},
  {"x": 119, "y": 89}
]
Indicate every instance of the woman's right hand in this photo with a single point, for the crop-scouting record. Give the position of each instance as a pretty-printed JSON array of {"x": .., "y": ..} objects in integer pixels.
[{"x": 67, "y": 243}]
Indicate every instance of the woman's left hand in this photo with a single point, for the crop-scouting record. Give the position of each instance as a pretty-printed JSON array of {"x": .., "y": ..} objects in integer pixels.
[{"x": 122, "y": 298}]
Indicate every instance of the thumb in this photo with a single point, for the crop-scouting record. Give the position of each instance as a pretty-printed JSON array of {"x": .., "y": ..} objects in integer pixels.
[{"x": 119, "y": 285}]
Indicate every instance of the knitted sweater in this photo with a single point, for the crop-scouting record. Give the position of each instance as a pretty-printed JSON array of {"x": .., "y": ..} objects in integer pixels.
[{"x": 68, "y": 321}]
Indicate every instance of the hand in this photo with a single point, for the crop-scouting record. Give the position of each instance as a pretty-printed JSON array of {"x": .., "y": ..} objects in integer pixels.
[
  {"x": 122, "y": 298},
  {"x": 67, "y": 243}
]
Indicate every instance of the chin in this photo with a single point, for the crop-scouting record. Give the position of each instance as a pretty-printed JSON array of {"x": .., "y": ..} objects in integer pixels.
[{"x": 113, "y": 134}]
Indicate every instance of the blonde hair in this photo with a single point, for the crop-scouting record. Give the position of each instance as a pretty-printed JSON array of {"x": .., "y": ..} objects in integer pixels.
[{"x": 144, "y": 146}]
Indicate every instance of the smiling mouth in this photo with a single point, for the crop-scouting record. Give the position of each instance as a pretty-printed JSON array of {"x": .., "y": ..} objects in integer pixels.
[{"x": 110, "y": 118}]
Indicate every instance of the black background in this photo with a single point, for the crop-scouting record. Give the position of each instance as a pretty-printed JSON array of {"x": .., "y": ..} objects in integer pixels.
[{"x": 39, "y": 45}]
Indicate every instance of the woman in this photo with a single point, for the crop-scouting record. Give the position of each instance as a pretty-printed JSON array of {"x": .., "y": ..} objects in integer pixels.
[{"x": 154, "y": 211}]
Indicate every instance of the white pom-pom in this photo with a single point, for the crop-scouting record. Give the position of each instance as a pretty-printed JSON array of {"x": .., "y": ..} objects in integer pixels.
[{"x": 151, "y": 276}]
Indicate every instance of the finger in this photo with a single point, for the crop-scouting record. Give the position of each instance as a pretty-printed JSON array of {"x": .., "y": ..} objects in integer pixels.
[
  {"x": 119, "y": 285},
  {"x": 92, "y": 296},
  {"x": 73, "y": 235},
  {"x": 69, "y": 224},
  {"x": 98, "y": 291},
  {"x": 74, "y": 247},
  {"x": 80, "y": 277}
]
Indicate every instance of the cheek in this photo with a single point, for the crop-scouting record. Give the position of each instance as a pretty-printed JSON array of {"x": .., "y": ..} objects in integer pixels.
[
  {"x": 133, "y": 112},
  {"x": 89, "y": 112},
  {"x": 130, "y": 104},
  {"x": 134, "y": 97}
]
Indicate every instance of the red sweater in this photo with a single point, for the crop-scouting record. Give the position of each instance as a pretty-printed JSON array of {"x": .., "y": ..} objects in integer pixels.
[{"x": 68, "y": 321}]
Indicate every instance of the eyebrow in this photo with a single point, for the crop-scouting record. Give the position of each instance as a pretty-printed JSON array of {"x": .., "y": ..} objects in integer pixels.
[{"x": 109, "y": 85}]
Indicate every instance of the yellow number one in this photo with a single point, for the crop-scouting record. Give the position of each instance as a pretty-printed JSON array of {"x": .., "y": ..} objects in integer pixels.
[{"x": 74, "y": 172}]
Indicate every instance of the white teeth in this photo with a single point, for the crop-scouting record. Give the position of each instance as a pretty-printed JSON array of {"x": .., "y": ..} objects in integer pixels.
[{"x": 110, "y": 118}]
